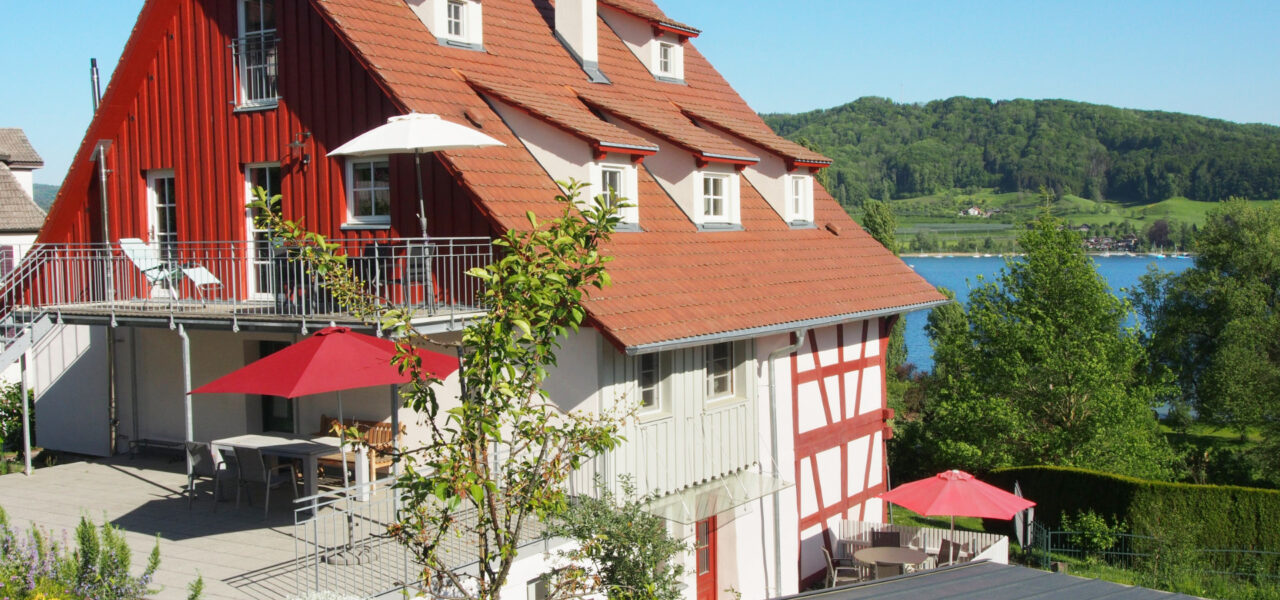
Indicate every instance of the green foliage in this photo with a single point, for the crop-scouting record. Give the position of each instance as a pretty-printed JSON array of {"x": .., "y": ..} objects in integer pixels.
[
  {"x": 886, "y": 150},
  {"x": 11, "y": 417},
  {"x": 1221, "y": 517},
  {"x": 32, "y": 566},
  {"x": 632, "y": 551},
  {"x": 195, "y": 589},
  {"x": 1092, "y": 533},
  {"x": 497, "y": 459},
  {"x": 1215, "y": 326},
  {"x": 1039, "y": 368}
]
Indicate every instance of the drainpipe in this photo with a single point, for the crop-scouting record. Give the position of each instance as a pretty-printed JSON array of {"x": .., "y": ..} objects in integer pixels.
[
  {"x": 773, "y": 448},
  {"x": 186, "y": 388},
  {"x": 26, "y": 412}
]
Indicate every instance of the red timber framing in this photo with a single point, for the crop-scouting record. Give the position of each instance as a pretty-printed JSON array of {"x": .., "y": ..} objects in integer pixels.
[
  {"x": 171, "y": 105},
  {"x": 838, "y": 367}
]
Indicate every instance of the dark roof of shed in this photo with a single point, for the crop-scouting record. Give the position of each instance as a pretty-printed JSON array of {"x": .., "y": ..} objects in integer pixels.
[
  {"x": 16, "y": 149},
  {"x": 18, "y": 213},
  {"x": 988, "y": 581}
]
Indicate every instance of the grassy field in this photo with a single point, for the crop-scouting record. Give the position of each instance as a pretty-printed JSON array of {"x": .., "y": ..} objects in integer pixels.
[{"x": 938, "y": 215}]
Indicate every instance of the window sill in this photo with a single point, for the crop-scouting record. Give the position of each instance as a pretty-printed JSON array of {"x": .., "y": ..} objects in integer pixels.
[
  {"x": 453, "y": 43},
  {"x": 654, "y": 416},
  {"x": 724, "y": 402},
  {"x": 802, "y": 224},
  {"x": 628, "y": 228},
  {"x": 251, "y": 108},
  {"x": 719, "y": 227},
  {"x": 669, "y": 79},
  {"x": 364, "y": 226}
]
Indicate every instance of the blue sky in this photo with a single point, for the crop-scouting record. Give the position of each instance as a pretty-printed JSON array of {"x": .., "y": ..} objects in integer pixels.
[{"x": 1218, "y": 59}]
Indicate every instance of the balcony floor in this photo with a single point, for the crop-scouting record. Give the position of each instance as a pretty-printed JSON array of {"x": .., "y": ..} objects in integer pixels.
[{"x": 238, "y": 553}]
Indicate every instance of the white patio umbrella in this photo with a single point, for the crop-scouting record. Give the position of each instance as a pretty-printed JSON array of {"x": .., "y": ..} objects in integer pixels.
[{"x": 416, "y": 133}]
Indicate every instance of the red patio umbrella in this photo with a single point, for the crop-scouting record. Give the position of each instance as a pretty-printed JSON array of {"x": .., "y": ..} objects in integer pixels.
[
  {"x": 956, "y": 494},
  {"x": 331, "y": 360}
]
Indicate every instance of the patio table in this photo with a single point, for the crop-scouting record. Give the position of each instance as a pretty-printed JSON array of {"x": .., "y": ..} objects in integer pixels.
[
  {"x": 892, "y": 556},
  {"x": 288, "y": 446}
]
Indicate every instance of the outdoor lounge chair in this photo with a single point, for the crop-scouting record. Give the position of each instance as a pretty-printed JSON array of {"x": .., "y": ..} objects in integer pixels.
[
  {"x": 205, "y": 464},
  {"x": 160, "y": 271},
  {"x": 950, "y": 552},
  {"x": 839, "y": 574},
  {"x": 252, "y": 469}
]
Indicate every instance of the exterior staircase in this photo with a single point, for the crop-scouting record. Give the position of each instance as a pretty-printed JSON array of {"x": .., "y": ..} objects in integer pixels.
[{"x": 22, "y": 325}]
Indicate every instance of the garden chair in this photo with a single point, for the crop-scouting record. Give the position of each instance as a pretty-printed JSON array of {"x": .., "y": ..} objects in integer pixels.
[
  {"x": 206, "y": 463},
  {"x": 839, "y": 574},
  {"x": 251, "y": 468}
]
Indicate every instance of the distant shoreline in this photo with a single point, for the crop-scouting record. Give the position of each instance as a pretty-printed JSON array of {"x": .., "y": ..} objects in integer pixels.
[{"x": 1000, "y": 255}]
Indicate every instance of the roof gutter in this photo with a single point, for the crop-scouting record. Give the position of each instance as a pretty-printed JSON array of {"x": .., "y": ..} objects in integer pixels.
[{"x": 754, "y": 332}]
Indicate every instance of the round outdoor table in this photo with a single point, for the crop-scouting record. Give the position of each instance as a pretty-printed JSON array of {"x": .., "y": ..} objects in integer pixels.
[{"x": 890, "y": 555}]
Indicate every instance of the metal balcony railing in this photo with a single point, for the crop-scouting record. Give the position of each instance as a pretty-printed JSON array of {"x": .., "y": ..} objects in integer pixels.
[
  {"x": 251, "y": 279},
  {"x": 256, "y": 57}
]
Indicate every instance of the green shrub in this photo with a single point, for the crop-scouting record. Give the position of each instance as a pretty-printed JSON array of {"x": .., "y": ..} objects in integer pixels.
[
  {"x": 1211, "y": 516},
  {"x": 1093, "y": 534}
]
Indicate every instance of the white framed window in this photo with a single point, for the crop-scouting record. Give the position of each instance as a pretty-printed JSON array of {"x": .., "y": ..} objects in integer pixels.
[
  {"x": 617, "y": 182},
  {"x": 369, "y": 191},
  {"x": 649, "y": 382},
  {"x": 667, "y": 59},
  {"x": 256, "y": 55},
  {"x": 455, "y": 19},
  {"x": 719, "y": 368},
  {"x": 162, "y": 211},
  {"x": 715, "y": 197},
  {"x": 800, "y": 198}
]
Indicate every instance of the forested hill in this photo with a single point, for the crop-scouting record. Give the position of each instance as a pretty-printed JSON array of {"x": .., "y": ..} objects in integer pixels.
[{"x": 887, "y": 150}]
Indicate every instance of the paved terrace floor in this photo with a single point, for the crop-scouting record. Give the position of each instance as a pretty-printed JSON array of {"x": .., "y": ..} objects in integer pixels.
[{"x": 238, "y": 553}]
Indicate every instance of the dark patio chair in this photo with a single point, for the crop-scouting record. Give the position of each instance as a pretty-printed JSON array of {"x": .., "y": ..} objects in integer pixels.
[
  {"x": 890, "y": 539},
  {"x": 205, "y": 464},
  {"x": 251, "y": 468}
]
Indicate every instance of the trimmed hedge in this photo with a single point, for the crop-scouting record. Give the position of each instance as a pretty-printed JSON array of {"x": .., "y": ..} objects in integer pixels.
[{"x": 1210, "y": 516}]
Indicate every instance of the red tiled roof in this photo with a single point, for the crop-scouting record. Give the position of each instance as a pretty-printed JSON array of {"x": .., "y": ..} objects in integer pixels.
[
  {"x": 564, "y": 111},
  {"x": 671, "y": 281},
  {"x": 756, "y": 132},
  {"x": 647, "y": 10},
  {"x": 671, "y": 125}
]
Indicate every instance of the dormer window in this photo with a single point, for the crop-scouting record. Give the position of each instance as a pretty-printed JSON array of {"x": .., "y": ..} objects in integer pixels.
[
  {"x": 617, "y": 183},
  {"x": 713, "y": 197},
  {"x": 800, "y": 199},
  {"x": 456, "y": 23},
  {"x": 454, "y": 16},
  {"x": 717, "y": 205},
  {"x": 668, "y": 60}
]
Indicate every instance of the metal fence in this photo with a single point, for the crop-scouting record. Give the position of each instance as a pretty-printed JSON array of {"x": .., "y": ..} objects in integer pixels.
[
  {"x": 1140, "y": 552},
  {"x": 244, "y": 278},
  {"x": 341, "y": 543}
]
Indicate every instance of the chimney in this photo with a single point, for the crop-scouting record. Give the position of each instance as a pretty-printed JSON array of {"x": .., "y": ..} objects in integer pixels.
[{"x": 576, "y": 28}]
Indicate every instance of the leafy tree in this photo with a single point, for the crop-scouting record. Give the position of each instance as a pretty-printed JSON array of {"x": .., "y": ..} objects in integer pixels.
[
  {"x": 497, "y": 460},
  {"x": 1039, "y": 368},
  {"x": 879, "y": 221},
  {"x": 635, "y": 554},
  {"x": 1215, "y": 326}
]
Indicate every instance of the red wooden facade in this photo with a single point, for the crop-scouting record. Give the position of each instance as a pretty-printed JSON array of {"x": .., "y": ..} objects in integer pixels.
[{"x": 170, "y": 105}]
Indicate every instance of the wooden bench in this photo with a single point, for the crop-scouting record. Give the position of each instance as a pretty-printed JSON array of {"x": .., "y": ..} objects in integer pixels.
[{"x": 376, "y": 434}]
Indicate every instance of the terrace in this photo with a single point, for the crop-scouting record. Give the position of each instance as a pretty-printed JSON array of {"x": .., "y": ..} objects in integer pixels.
[{"x": 328, "y": 542}]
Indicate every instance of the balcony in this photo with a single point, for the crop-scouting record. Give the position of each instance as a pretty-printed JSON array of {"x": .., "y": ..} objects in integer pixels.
[{"x": 240, "y": 283}]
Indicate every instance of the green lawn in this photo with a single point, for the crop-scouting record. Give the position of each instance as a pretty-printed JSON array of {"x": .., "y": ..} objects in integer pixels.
[{"x": 902, "y": 516}]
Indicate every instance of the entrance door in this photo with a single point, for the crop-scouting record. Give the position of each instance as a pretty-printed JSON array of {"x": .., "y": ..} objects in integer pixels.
[
  {"x": 277, "y": 411},
  {"x": 259, "y": 274},
  {"x": 704, "y": 550}
]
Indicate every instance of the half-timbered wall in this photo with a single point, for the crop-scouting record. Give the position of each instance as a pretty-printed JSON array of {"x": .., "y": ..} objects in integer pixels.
[
  {"x": 839, "y": 421},
  {"x": 170, "y": 105}
]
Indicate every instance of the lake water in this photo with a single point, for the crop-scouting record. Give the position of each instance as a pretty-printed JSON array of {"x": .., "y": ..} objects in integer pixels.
[{"x": 959, "y": 273}]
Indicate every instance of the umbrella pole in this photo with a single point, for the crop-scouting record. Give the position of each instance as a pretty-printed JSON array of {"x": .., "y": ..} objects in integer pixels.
[
  {"x": 342, "y": 441},
  {"x": 417, "y": 176}
]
